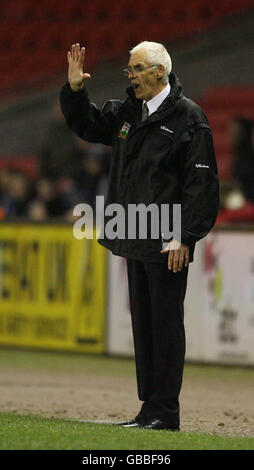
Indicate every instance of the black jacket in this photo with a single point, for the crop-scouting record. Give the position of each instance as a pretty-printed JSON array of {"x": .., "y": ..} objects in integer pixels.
[{"x": 167, "y": 159}]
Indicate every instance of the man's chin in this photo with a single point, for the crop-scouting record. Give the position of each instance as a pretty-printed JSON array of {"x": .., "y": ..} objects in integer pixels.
[{"x": 138, "y": 94}]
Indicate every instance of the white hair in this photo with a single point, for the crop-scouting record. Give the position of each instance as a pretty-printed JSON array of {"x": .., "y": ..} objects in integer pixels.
[{"x": 156, "y": 54}]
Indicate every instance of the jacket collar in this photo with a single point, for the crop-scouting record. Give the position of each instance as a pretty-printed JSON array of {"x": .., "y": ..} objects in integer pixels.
[{"x": 174, "y": 95}]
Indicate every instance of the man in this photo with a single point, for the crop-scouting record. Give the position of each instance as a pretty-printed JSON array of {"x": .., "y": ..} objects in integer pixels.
[{"x": 162, "y": 153}]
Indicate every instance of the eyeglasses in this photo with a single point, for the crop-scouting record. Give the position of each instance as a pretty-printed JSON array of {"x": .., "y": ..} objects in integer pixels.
[{"x": 137, "y": 69}]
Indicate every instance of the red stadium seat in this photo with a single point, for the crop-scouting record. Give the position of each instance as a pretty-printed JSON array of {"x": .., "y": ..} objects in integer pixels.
[{"x": 45, "y": 30}]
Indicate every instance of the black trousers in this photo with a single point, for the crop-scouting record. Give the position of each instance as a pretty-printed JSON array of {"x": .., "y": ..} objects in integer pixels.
[{"x": 157, "y": 312}]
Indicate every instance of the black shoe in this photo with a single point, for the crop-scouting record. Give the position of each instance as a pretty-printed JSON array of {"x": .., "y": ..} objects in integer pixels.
[
  {"x": 158, "y": 424},
  {"x": 137, "y": 422},
  {"x": 129, "y": 424}
]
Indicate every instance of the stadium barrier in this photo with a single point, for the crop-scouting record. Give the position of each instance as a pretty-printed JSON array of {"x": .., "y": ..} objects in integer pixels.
[
  {"x": 52, "y": 288},
  {"x": 60, "y": 293}
]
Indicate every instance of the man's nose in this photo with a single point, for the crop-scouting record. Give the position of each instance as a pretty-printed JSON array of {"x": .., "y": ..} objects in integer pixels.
[{"x": 131, "y": 73}]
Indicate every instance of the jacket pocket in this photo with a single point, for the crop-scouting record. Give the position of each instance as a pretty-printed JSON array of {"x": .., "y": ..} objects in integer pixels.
[{"x": 158, "y": 147}]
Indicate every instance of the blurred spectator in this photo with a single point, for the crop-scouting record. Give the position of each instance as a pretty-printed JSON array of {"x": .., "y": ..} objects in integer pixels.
[
  {"x": 68, "y": 195},
  {"x": 37, "y": 210},
  {"x": 16, "y": 192},
  {"x": 79, "y": 169},
  {"x": 53, "y": 199},
  {"x": 5, "y": 198},
  {"x": 44, "y": 203},
  {"x": 241, "y": 131},
  {"x": 234, "y": 206},
  {"x": 20, "y": 192},
  {"x": 93, "y": 179},
  {"x": 46, "y": 193},
  {"x": 237, "y": 195}
]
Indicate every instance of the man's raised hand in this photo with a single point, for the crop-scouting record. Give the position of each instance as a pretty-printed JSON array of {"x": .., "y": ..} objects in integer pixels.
[{"x": 76, "y": 75}]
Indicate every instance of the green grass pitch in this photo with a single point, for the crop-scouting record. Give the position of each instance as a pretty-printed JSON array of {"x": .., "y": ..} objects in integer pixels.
[{"x": 35, "y": 433}]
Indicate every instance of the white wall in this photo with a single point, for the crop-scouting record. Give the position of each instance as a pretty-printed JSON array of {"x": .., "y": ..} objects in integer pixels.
[{"x": 219, "y": 304}]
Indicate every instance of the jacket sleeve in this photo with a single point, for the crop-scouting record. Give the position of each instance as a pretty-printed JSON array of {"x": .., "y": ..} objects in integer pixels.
[
  {"x": 85, "y": 119},
  {"x": 200, "y": 193}
]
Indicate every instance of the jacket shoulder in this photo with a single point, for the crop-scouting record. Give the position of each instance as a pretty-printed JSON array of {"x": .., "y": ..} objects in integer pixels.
[{"x": 192, "y": 112}]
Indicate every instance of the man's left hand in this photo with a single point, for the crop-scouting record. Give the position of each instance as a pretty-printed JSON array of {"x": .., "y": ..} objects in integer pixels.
[{"x": 178, "y": 255}]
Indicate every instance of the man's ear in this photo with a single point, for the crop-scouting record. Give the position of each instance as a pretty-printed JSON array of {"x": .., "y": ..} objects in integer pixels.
[{"x": 160, "y": 72}]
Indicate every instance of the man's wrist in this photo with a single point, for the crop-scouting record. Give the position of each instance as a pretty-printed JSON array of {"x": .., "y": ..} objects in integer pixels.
[{"x": 76, "y": 88}]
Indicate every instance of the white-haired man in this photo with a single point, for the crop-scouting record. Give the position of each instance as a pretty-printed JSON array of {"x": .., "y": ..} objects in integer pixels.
[{"x": 162, "y": 153}]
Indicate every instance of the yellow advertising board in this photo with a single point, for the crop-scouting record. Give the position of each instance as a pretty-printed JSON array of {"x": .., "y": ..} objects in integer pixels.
[{"x": 52, "y": 288}]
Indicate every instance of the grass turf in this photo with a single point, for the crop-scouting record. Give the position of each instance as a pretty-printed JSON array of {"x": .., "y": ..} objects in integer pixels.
[{"x": 30, "y": 432}]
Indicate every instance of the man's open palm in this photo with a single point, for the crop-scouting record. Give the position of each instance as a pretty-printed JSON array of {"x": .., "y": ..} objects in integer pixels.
[{"x": 76, "y": 75}]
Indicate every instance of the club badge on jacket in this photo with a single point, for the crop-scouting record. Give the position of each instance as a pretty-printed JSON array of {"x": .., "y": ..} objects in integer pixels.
[{"x": 124, "y": 131}]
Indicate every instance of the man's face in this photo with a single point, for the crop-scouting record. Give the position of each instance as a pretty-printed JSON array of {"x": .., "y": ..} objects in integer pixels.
[{"x": 146, "y": 84}]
